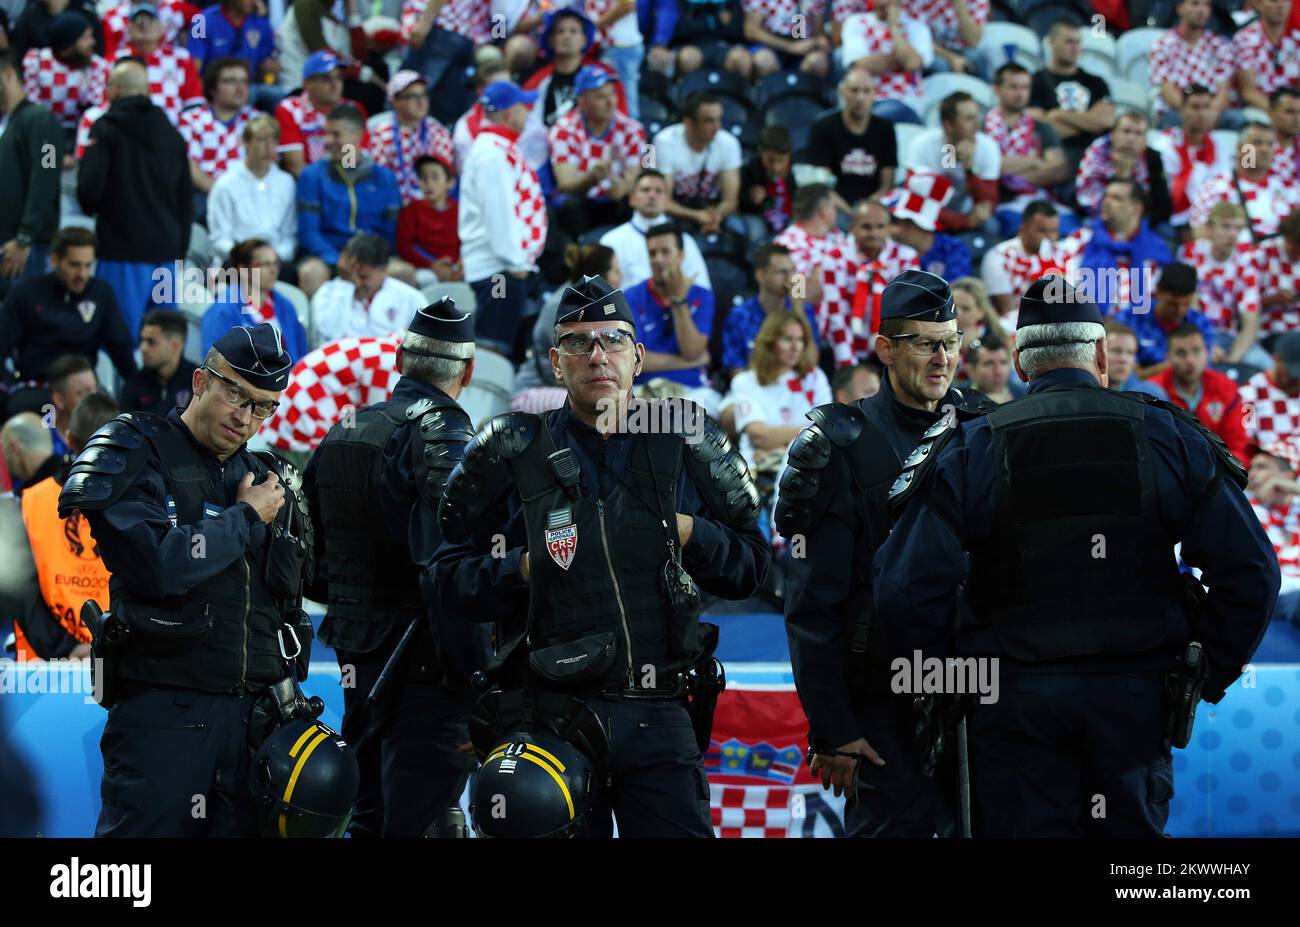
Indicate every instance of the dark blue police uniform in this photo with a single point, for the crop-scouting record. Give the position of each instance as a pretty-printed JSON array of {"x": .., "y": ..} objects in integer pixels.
[
  {"x": 210, "y": 596},
  {"x": 834, "y": 497},
  {"x": 394, "y": 461},
  {"x": 598, "y": 547},
  {"x": 1058, "y": 514}
]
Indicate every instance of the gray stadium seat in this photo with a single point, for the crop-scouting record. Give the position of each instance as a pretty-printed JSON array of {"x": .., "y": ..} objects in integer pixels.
[
  {"x": 461, "y": 292},
  {"x": 492, "y": 388},
  {"x": 1134, "y": 45},
  {"x": 1125, "y": 94},
  {"x": 1026, "y": 49}
]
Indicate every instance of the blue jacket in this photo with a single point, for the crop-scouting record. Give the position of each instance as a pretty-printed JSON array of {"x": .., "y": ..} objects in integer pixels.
[
  {"x": 222, "y": 317},
  {"x": 254, "y": 40},
  {"x": 919, "y": 569},
  {"x": 334, "y": 205}
]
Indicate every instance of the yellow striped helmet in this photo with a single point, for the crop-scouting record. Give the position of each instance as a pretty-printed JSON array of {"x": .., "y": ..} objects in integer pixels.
[
  {"x": 533, "y": 785},
  {"x": 305, "y": 780}
]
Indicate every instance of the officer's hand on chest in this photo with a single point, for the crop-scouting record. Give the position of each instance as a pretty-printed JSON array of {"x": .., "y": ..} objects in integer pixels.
[{"x": 266, "y": 498}]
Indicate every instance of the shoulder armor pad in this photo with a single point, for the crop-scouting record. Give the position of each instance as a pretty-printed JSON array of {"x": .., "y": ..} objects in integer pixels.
[
  {"x": 842, "y": 423},
  {"x": 445, "y": 430},
  {"x": 800, "y": 500},
  {"x": 109, "y": 462},
  {"x": 722, "y": 476},
  {"x": 483, "y": 476},
  {"x": 920, "y": 463},
  {"x": 418, "y": 408},
  {"x": 1231, "y": 465}
]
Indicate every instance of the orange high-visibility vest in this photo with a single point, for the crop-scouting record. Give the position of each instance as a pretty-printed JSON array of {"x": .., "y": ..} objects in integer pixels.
[{"x": 68, "y": 566}]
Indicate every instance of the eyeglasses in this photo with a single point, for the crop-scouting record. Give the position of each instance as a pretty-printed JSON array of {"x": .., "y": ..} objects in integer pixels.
[
  {"x": 924, "y": 347},
  {"x": 233, "y": 394},
  {"x": 579, "y": 344},
  {"x": 413, "y": 95}
]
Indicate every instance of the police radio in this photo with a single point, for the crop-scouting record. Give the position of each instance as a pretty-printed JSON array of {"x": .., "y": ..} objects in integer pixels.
[{"x": 564, "y": 466}]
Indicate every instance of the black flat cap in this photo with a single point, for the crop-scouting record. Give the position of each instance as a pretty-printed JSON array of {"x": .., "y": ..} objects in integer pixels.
[
  {"x": 592, "y": 299},
  {"x": 257, "y": 354},
  {"x": 1051, "y": 299},
  {"x": 443, "y": 322},
  {"x": 919, "y": 295}
]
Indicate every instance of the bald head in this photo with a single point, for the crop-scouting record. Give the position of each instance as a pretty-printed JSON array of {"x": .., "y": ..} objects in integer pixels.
[
  {"x": 128, "y": 79},
  {"x": 27, "y": 444}
]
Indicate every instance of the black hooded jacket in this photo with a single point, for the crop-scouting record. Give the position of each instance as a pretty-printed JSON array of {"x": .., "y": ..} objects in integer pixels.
[{"x": 135, "y": 177}]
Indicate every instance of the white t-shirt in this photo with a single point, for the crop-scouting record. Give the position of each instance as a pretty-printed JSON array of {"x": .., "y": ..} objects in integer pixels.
[
  {"x": 695, "y": 173},
  {"x": 929, "y": 151},
  {"x": 780, "y": 404},
  {"x": 627, "y": 241},
  {"x": 338, "y": 314}
]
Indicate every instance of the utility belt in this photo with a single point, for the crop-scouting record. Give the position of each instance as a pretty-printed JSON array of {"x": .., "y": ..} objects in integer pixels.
[{"x": 675, "y": 689}]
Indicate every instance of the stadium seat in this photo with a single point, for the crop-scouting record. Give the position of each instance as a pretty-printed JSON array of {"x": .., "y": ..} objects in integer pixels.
[
  {"x": 735, "y": 115},
  {"x": 1139, "y": 72},
  {"x": 592, "y": 236},
  {"x": 786, "y": 84},
  {"x": 655, "y": 85},
  {"x": 1023, "y": 46},
  {"x": 654, "y": 110},
  {"x": 1134, "y": 45},
  {"x": 1038, "y": 16},
  {"x": 1127, "y": 95},
  {"x": 1224, "y": 139},
  {"x": 729, "y": 280},
  {"x": 795, "y": 114},
  {"x": 492, "y": 388},
  {"x": 1238, "y": 373},
  {"x": 938, "y": 86},
  {"x": 904, "y": 132},
  {"x": 301, "y": 305},
  {"x": 200, "y": 252},
  {"x": 712, "y": 80},
  {"x": 724, "y": 244},
  {"x": 1100, "y": 65},
  {"x": 461, "y": 292}
]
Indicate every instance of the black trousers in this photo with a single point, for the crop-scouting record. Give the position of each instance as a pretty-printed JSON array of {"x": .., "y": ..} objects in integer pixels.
[
  {"x": 411, "y": 768},
  {"x": 1071, "y": 756},
  {"x": 176, "y": 764},
  {"x": 658, "y": 786},
  {"x": 896, "y": 800}
]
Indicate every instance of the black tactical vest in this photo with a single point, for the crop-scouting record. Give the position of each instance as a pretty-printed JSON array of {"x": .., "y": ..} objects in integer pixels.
[
  {"x": 373, "y": 585},
  {"x": 1078, "y": 563},
  {"x": 595, "y": 566},
  {"x": 242, "y": 647}
]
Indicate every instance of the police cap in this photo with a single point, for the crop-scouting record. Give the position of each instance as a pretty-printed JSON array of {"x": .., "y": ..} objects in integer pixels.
[
  {"x": 257, "y": 354},
  {"x": 919, "y": 295}
]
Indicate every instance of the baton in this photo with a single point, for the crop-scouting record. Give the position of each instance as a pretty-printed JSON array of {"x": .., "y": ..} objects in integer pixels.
[
  {"x": 377, "y": 690},
  {"x": 963, "y": 777}
]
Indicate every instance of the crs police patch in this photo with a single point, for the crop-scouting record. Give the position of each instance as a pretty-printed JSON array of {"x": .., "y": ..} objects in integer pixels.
[{"x": 562, "y": 544}]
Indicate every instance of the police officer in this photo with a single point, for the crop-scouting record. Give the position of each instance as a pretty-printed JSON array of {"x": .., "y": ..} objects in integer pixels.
[
  {"x": 206, "y": 553},
  {"x": 1069, "y": 502},
  {"x": 579, "y": 528},
  {"x": 364, "y": 484},
  {"x": 833, "y": 499}
]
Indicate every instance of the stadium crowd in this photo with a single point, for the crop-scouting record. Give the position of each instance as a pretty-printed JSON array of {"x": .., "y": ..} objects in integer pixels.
[{"x": 752, "y": 173}]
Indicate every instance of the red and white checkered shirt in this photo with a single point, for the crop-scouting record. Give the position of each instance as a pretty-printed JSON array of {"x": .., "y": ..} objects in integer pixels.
[
  {"x": 429, "y": 138},
  {"x": 172, "y": 16},
  {"x": 843, "y": 9},
  {"x": 895, "y": 83},
  {"x": 1277, "y": 271},
  {"x": 1224, "y": 289},
  {"x": 1008, "y": 269},
  {"x": 941, "y": 17},
  {"x": 83, "y": 129},
  {"x": 214, "y": 145},
  {"x": 65, "y": 92},
  {"x": 1096, "y": 167},
  {"x": 1286, "y": 161},
  {"x": 302, "y": 127},
  {"x": 1282, "y": 525},
  {"x": 173, "y": 79},
  {"x": 530, "y": 205},
  {"x": 353, "y": 371},
  {"x": 830, "y": 254},
  {"x": 470, "y": 18},
  {"x": 779, "y": 16},
  {"x": 1272, "y": 414},
  {"x": 1209, "y": 62},
  {"x": 623, "y": 144},
  {"x": 874, "y": 275},
  {"x": 1273, "y": 65},
  {"x": 1267, "y": 202}
]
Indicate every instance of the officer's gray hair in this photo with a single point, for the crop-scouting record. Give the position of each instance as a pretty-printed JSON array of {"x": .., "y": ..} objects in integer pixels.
[
  {"x": 438, "y": 371},
  {"x": 1057, "y": 344},
  {"x": 26, "y": 430}
]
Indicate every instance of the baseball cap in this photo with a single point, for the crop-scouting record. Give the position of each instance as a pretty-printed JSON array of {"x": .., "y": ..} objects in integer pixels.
[
  {"x": 321, "y": 62},
  {"x": 503, "y": 94},
  {"x": 591, "y": 77},
  {"x": 138, "y": 8},
  {"x": 403, "y": 79}
]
